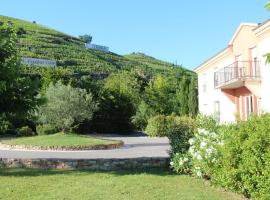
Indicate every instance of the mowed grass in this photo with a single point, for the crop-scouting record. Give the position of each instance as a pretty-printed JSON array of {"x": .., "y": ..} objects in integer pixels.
[
  {"x": 22, "y": 184},
  {"x": 59, "y": 140}
]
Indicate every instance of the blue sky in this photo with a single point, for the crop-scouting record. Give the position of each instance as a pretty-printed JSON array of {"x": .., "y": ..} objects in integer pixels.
[{"x": 185, "y": 31}]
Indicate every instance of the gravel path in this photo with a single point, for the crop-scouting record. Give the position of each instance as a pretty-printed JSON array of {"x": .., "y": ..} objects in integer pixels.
[{"x": 135, "y": 146}]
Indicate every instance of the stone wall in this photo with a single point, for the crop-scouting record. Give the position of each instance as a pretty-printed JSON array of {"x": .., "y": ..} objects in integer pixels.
[{"x": 93, "y": 164}]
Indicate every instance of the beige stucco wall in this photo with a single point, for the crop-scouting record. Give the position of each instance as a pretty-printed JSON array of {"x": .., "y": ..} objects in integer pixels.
[{"x": 247, "y": 42}]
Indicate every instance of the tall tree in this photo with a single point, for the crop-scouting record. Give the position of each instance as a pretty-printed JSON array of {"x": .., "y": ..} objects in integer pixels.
[
  {"x": 118, "y": 100},
  {"x": 17, "y": 93},
  {"x": 182, "y": 96},
  {"x": 193, "y": 97}
]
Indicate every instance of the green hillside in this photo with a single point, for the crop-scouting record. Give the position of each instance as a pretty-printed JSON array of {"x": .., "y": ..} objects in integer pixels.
[{"x": 38, "y": 41}]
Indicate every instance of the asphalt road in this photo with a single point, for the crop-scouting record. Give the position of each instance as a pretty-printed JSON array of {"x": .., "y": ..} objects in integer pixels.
[{"x": 134, "y": 147}]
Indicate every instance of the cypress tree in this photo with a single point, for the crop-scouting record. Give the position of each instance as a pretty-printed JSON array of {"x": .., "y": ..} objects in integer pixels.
[
  {"x": 182, "y": 96},
  {"x": 193, "y": 97}
]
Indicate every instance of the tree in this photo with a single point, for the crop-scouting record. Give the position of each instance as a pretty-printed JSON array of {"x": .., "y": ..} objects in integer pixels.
[
  {"x": 193, "y": 97},
  {"x": 52, "y": 75},
  {"x": 86, "y": 38},
  {"x": 17, "y": 93},
  {"x": 182, "y": 96},
  {"x": 159, "y": 95},
  {"x": 118, "y": 100},
  {"x": 66, "y": 107}
]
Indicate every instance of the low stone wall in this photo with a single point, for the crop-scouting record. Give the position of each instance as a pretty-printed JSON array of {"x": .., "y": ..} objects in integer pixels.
[
  {"x": 91, "y": 164},
  {"x": 64, "y": 148}
]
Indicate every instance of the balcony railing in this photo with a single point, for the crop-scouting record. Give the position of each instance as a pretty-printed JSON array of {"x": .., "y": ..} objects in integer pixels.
[{"x": 238, "y": 71}]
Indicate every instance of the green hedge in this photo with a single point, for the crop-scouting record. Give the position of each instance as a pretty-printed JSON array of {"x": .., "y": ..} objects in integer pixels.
[
  {"x": 178, "y": 129},
  {"x": 244, "y": 164}
]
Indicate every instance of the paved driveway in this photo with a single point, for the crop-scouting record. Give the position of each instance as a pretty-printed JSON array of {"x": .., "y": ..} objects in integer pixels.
[{"x": 135, "y": 146}]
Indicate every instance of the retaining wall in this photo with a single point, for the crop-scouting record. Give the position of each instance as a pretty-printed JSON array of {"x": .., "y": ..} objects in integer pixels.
[{"x": 92, "y": 164}]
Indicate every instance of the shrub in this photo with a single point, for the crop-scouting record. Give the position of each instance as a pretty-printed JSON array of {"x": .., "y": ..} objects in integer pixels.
[
  {"x": 181, "y": 163},
  {"x": 25, "y": 131},
  {"x": 157, "y": 126},
  {"x": 198, "y": 149},
  {"x": 66, "y": 107},
  {"x": 245, "y": 157},
  {"x": 143, "y": 113},
  {"x": 5, "y": 125},
  {"x": 45, "y": 129},
  {"x": 180, "y": 130},
  {"x": 204, "y": 152}
]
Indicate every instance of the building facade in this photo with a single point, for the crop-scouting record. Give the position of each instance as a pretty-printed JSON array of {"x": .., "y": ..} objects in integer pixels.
[
  {"x": 235, "y": 83},
  {"x": 97, "y": 47}
]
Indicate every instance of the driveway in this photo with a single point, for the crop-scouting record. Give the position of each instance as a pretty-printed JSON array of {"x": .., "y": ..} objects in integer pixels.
[{"x": 135, "y": 146}]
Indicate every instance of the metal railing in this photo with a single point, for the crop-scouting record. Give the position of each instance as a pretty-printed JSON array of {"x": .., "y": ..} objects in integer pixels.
[{"x": 240, "y": 70}]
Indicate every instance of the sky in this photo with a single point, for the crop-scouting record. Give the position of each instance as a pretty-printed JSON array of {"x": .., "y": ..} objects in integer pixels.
[{"x": 180, "y": 31}]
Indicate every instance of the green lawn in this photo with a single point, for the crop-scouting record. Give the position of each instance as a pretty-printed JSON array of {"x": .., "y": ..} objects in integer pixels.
[
  {"x": 59, "y": 140},
  {"x": 32, "y": 184}
]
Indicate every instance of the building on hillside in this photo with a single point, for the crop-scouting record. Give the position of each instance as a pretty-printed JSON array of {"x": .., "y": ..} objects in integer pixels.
[
  {"x": 236, "y": 82},
  {"x": 97, "y": 47}
]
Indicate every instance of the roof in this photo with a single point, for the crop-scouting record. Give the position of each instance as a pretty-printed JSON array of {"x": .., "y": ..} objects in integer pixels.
[
  {"x": 255, "y": 25},
  {"x": 261, "y": 24},
  {"x": 221, "y": 51}
]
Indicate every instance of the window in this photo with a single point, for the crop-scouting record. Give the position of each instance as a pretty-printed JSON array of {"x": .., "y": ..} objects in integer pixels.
[
  {"x": 249, "y": 106},
  {"x": 204, "y": 87}
]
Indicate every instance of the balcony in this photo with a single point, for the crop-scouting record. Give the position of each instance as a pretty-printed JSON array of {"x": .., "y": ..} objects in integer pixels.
[{"x": 237, "y": 75}]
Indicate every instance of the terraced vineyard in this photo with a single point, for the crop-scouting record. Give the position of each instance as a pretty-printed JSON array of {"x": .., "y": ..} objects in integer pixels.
[{"x": 38, "y": 41}]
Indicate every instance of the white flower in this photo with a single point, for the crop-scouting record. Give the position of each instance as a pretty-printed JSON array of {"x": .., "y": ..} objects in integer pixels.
[
  {"x": 209, "y": 151},
  {"x": 171, "y": 163},
  {"x": 191, "y": 150},
  {"x": 203, "y": 144},
  {"x": 191, "y": 141},
  {"x": 199, "y": 174},
  {"x": 199, "y": 157},
  {"x": 213, "y": 134},
  {"x": 221, "y": 143},
  {"x": 185, "y": 159},
  {"x": 200, "y": 130}
]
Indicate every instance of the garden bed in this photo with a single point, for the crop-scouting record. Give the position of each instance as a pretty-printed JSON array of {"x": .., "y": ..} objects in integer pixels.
[{"x": 60, "y": 141}]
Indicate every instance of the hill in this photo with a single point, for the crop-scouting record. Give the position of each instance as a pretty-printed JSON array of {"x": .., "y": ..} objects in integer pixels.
[{"x": 38, "y": 41}]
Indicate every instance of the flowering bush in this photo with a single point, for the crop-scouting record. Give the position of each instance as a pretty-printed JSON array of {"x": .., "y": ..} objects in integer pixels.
[
  {"x": 235, "y": 156},
  {"x": 181, "y": 163},
  {"x": 202, "y": 152}
]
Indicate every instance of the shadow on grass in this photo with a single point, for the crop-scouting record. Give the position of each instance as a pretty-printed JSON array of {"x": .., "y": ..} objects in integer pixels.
[{"x": 48, "y": 172}]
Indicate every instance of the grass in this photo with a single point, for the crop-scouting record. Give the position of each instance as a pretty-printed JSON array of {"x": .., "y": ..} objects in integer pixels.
[
  {"x": 22, "y": 184},
  {"x": 59, "y": 140}
]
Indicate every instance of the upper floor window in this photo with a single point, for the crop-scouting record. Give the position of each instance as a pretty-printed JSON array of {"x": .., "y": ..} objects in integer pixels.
[{"x": 204, "y": 87}]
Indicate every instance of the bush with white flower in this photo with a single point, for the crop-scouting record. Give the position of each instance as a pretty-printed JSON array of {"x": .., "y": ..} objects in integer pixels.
[
  {"x": 203, "y": 150},
  {"x": 181, "y": 163}
]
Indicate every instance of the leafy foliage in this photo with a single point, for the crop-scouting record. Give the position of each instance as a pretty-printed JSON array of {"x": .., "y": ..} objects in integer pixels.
[
  {"x": 86, "y": 38},
  {"x": 245, "y": 157},
  {"x": 234, "y": 156},
  {"x": 118, "y": 100},
  {"x": 17, "y": 93},
  {"x": 66, "y": 106}
]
